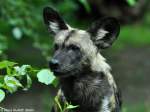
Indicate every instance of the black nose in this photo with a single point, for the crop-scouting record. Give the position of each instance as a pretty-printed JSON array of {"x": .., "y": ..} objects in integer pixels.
[{"x": 54, "y": 64}]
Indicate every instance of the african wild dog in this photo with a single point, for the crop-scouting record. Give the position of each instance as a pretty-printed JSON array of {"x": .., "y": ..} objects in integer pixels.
[{"x": 84, "y": 75}]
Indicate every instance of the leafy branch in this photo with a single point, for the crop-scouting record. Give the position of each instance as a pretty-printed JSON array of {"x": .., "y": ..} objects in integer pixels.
[
  {"x": 66, "y": 106},
  {"x": 13, "y": 77}
]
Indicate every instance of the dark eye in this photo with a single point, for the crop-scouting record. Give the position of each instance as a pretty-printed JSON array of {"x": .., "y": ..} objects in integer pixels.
[
  {"x": 56, "y": 47},
  {"x": 73, "y": 47}
]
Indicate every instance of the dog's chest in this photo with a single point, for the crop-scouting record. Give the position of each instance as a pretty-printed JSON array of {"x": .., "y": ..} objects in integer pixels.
[{"x": 85, "y": 91}]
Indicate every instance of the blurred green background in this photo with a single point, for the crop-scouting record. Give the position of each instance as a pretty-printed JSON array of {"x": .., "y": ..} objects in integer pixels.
[{"x": 24, "y": 39}]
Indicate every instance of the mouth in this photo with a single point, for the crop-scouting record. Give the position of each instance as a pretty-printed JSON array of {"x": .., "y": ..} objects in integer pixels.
[
  {"x": 60, "y": 73},
  {"x": 65, "y": 71},
  {"x": 57, "y": 73}
]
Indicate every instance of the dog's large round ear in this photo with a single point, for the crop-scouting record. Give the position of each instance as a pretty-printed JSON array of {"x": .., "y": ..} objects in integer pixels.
[
  {"x": 53, "y": 20},
  {"x": 104, "y": 32}
]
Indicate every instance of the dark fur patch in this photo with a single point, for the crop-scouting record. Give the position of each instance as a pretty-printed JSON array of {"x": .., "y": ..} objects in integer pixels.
[
  {"x": 68, "y": 36},
  {"x": 86, "y": 90}
]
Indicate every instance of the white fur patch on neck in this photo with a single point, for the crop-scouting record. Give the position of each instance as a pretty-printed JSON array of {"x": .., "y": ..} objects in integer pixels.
[
  {"x": 98, "y": 64},
  {"x": 105, "y": 104},
  {"x": 54, "y": 26},
  {"x": 101, "y": 33}
]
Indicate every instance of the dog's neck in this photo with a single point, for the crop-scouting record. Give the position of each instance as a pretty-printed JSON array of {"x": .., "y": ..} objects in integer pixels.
[{"x": 88, "y": 90}]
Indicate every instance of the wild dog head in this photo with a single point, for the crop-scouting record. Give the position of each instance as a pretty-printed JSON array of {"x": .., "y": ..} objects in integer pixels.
[{"x": 77, "y": 49}]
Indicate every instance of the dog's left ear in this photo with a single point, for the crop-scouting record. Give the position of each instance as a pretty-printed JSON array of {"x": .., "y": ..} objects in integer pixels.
[
  {"x": 104, "y": 32},
  {"x": 53, "y": 20}
]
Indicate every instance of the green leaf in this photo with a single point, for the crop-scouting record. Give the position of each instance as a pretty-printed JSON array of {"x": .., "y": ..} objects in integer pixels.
[
  {"x": 22, "y": 70},
  {"x": 17, "y": 70},
  {"x": 5, "y": 64},
  {"x": 29, "y": 83},
  {"x": 12, "y": 83},
  {"x": 45, "y": 76},
  {"x": 2, "y": 95},
  {"x": 17, "y": 33},
  {"x": 131, "y": 2},
  {"x": 1, "y": 85},
  {"x": 71, "y": 107},
  {"x": 86, "y": 5},
  {"x": 1, "y": 79},
  {"x": 58, "y": 103},
  {"x": 55, "y": 82}
]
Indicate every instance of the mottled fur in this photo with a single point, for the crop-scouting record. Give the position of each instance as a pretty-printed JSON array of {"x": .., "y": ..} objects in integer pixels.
[{"x": 85, "y": 78}]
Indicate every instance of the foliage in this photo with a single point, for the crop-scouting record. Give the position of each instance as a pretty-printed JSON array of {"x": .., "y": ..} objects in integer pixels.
[
  {"x": 45, "y": 76},
  {"x": 14, "y": 77},
  {"x": 2, "y": 95},
  {"x": 22, "y": 23},
  {"x": 11, "y": 80},
  {"x": 66, "y": 106},
  {"x": 131, "y": 2},
  {"x": 21, "y": 19}
]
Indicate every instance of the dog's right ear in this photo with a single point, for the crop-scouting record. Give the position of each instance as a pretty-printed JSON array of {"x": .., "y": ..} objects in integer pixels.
[{"x": 53, "y": 20}]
